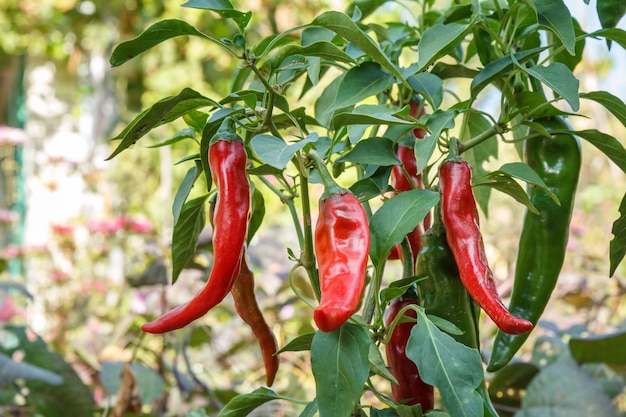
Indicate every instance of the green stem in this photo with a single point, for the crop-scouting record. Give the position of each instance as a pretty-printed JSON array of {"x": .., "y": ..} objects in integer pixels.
[
  {"x": 372, "y": 306},
  {"x": 477, "y": 140},
  {"x": 307, "y": 258},
  {"x": 289, "y": 202},
  {"x": 408, "y": 266},
  {"x": 330, "y": 185}
]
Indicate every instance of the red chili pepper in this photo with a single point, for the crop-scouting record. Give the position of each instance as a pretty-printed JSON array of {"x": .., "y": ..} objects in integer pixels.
[
  {"x": 410, "y": 388},
  {"x": 227, "y": 160},
  {"x": 248, "y": 309},
  {"x": 341, "y": 243},
  {"x": 460, "y": 218}
]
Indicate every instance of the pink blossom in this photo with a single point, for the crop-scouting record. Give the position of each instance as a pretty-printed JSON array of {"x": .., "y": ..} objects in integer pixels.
[
  {"x": 140, "y": 225},
  {"x": 59, "y": 276},
  {"x": 63, "y": 229},
  {"x": 108, "y": 226},
  {"x": 11, "y": 251},
  {"x": 12, "y": 136},
  {"x": 138, "y": 304},
  {"x": 8, "y": 216},
  {"x": 9, "y": 310}
]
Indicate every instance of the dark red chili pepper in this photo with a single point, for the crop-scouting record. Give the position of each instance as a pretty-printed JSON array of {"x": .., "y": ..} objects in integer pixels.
[
  {"x": 341, "y": 243},
  {"x": 460, "y": 218},
  {"x": 248, "y": 309},
  {"x": 410, "y": 388},
  {"x": 227, "y": 160}
]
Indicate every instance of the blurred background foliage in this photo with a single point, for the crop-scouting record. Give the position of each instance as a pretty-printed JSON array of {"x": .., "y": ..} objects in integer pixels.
[{"x": 84, "y": 242}]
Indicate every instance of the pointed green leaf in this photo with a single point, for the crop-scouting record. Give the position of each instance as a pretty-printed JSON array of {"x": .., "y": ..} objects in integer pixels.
[
  {"x": 604, "y": 348},
  {"x": 160, "y": 113},
  {"x": 455, "y": 369},
  {"x": 11, "y": 372},
  {"x": 322, "y": 49},
  {"x": 154, "y": 35},
  {"x": 618, "y": 243},
  {"x": 564, "y": 389},
  {"x": 185, "y": 235},
  {"x": 428, "y": 85},
  {"x": 559, "y": 78},
  {"x": 396, "y": 218},
  {"x": 439, "y": 40},
  {"x": 554, "y": 15},
  {"x": 359, "y": 83},
  {"x": 300, "y": 343},
  {"x": 610, "y": 12},
  {"x": 377, "y": 363},
  {"x": 369, "y": 114},
  {"x": 436, "y": 123},
  {"x": 183, "y": 191},
  {"x": 610, "y": 102},
  {"x": 340, "y": 366},
  {"x": 275, "y": 152},
  {"x": 505, "y": 183},
  {"x": 242, "y": 405},
  {"x": 373, "y": 151},
  {"x": 611, "y": 147},
  {"x": 223, "y": 8},
  {"x": 342, "y": 24}
]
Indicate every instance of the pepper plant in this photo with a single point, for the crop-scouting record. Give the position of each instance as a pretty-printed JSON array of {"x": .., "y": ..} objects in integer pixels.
[{"x": 394, "y": 113}]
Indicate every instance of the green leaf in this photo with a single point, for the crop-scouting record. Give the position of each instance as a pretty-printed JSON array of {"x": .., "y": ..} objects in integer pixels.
[
  {"x": 186, "y": 231},
  {"x": 310, "y": 410},
  {"x": 535, "y": 105},
  {"x": 322, "y": 49},
  {"x": 608, "y": 349},
  {"x": 341, "y": 24},
  {"x": 223, "y": 8},
  {"x": 436, "y": 123},
  {"x": 183, "y": 191},
  {"x": 617, "y": 246},
  {"x": 11, "y": 371},
  {"x": 559, "y": 78},
  {"x": 554, "y": 15},
  {"x": 563, "y": 389},
  {"x": 46, "y": 399},
  {"x": 614, "y": 34},
  {"x": 187, "y": 133},
  {"x": 154, "y": 35},
  {"x": 150, "y": 387},
  {"x": 340, "y": 365},
  {"x": 611, "y": 147},
  {"x": 160, "y": 113},
  {"x": 429, "y": 86},
  {"x": 439, "y": 40},
  {"x": 367, "y": 115},
  {"x": 15, "y": 286},
  {"x": 373, "y": 151},
  {"x": 377, "y": 363},
  {"x": 244, "y": 404},
  {"x": 455, "y": 369},
  {"x": 495, "y": 71},
  {"x": 396, "y": 218},
  {"x": 359, "y": 83},
  {"x": 275, "y": 152},
  {"x": 299, "y": 344},
  {"x": 258, "y": 213},
  {"x": 610, "y": 12},
  {"x": 610, "y": 102}
]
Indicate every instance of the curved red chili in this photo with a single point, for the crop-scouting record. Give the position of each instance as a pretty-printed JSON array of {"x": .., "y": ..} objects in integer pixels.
[
  {"x": 460, "y": 218},
  {"x": 227, "y": 160},
  {"x": 248, "y": 309}
]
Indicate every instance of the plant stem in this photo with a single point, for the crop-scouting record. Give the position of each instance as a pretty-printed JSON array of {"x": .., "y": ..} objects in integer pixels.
[{"x": 307, "y": 258}]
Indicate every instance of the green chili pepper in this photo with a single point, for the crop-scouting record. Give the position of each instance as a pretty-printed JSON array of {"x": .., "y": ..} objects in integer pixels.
[
  {"x": 442, "y": 293},
  {"x": 544, "y": 237}
]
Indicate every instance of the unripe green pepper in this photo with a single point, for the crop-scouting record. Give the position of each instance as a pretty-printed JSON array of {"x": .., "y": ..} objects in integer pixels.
[{"x": 544, "y": 236}]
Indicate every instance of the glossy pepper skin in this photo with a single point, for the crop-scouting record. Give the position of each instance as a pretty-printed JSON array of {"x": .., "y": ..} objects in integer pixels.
[
  {"x": 342, "y": 242},
  {"x": 460, "y": 218},
  {"x": 248, "y": 309},
  {"x": 410, "y": 388},
  {"x": 442, "y": 293},
  {"x": 400, "y": 182},
  {"x": 544, "y": 237},
  {"x": 227, "y": 160}
]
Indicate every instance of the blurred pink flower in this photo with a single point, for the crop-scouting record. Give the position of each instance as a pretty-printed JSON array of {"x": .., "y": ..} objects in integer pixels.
[
  {"x": 59, "y": 276},
  {"x": 109, "y": 226},
  {"x": 139, "y": 225},
  {"x": 63, "y": 229},
  {"x": 12, "y": 135},
  {"x": 11, "y": 251},
  {"x": 8, "y": 216},
  {"x": 138, "y": 304},
  {"x": 8, "y": 309}
]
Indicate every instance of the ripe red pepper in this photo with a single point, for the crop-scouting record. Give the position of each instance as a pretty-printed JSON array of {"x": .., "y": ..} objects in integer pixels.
[
  {"x": 410, "y": 388},
  {"x": 400, "y": 182},
  {"x": 227, "y": 160},
  {"x": 460, "y": 218},
  {"x": 248, "y": 309},
  {"x": 341, "y": 244}
]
